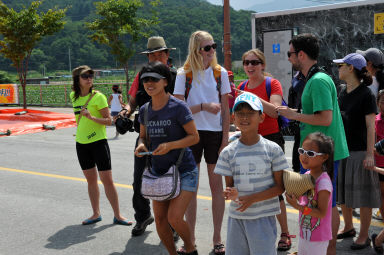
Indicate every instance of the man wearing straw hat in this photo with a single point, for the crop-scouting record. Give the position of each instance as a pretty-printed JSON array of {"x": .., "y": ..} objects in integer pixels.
[{"x": 156, "y": 50}]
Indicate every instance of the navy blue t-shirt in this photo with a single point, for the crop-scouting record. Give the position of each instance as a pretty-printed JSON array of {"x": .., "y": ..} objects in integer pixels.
[{"x": 166, "y": 125}]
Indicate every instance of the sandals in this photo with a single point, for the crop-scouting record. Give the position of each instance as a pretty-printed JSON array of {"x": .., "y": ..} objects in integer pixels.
[
  {"x": 91, "y": 221},
  {"x": 219, "y": 249},
  {"x": 347, "y": 234},
  {"x": 183, "y": 251},
  {"x": 378, "y": 248},
  {"x": 285, "y": 245}
]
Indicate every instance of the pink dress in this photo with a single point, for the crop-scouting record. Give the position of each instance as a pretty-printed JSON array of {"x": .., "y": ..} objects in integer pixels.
[{"x": 314, "y": 229}]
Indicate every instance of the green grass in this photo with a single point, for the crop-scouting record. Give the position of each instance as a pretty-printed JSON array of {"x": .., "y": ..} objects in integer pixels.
[{"x": 58, "y": 95}]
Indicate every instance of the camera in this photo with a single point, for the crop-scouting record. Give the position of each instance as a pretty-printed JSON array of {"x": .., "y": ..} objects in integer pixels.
[
  {"x": 379, "y": 146},
  {"x": 123, "y": 125}
]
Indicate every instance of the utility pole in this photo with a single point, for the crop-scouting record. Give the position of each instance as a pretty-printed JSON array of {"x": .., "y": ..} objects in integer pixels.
[
  {"x": 69, "y": 60},
  {"x": 179, "y": 58},
  {"x": 227, "y": 37}
]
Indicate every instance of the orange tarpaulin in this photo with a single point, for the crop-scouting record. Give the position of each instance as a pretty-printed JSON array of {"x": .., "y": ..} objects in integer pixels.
[{"x": 33, "y": 121}]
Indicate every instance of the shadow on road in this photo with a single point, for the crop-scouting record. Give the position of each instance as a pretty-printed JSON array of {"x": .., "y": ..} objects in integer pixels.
[
  {"x": 74, "y": 234},
  {"x": 136, "y": 245}
]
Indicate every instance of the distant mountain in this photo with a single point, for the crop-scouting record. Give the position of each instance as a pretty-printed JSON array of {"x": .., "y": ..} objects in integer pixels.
[
  {"x": 71, "y": 46},
  {"x": 277, "y": 5}
]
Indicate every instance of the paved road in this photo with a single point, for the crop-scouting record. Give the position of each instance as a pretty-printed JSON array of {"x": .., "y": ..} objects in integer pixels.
[{"x": 43, "y": 200}]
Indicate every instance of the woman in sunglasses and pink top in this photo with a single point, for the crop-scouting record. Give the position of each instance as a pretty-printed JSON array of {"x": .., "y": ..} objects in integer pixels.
[
  {"x": 204, "y": 85},
  {"x": 254, "y": 65}
]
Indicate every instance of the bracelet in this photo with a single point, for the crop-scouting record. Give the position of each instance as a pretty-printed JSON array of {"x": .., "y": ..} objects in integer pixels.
[
  {"x": 124, "y": 109},
  {"x": 306, "y": 210},
  {"x": 201, "y": 107}
]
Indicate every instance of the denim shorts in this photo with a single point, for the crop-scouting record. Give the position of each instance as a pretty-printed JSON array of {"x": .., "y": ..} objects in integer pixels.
[
  {"x": 113, "y": 114},
  {"x": 189, "y": 180}
]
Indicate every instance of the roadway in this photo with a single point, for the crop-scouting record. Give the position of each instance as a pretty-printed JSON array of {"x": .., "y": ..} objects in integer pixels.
[{"x": 43, "y": 198}]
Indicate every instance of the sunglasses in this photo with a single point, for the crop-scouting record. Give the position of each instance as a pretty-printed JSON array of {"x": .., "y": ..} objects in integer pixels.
[
  {"x": 341, "y": 64},
  {"x": 289, "y": 53},
  {"x": 85, "y": 76},
  {"x": 252, "y": 62},
  {"x": 150, "y": 79},
  {"x": 208, "y": 47},
  {"x": 310, "y": 154}
]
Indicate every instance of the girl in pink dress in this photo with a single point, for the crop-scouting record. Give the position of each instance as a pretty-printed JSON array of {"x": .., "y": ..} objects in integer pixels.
[{"x": 315, "y": 208}]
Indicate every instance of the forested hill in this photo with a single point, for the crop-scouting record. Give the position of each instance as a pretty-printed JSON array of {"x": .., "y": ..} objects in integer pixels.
[{"x": 178, "y": 19}]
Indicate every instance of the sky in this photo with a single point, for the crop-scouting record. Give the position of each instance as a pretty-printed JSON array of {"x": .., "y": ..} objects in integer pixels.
[{"x": 275, "y": 5}]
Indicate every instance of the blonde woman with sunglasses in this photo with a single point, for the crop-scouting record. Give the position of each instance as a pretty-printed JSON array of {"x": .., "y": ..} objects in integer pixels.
[{"x": 206, "y": 93}]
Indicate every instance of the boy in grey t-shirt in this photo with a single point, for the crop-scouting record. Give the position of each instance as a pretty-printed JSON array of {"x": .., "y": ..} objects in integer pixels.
[{"x": 252, "y": 166}]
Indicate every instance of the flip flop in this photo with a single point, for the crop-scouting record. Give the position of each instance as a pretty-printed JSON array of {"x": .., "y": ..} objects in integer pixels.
[
  {"x": 121, "y": 222},
  {"x": 91, "y": 221}
]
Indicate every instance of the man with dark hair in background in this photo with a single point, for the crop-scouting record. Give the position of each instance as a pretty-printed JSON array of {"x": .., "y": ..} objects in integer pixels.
[{"x": 320, "y": 109}]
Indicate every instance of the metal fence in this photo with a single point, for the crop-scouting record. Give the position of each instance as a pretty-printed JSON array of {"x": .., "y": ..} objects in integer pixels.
[{"x": 57, "y": 95}]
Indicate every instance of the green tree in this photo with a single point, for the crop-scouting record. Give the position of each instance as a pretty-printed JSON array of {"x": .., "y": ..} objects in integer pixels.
[
  {"x": 120, "y": 28},
  {"x": 4, "y": 78},
  {"x": 21, "y": 32}
]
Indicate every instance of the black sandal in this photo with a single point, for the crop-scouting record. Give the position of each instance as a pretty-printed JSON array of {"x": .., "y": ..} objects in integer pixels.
[
  {"x": 183, "y": 251},
  {"x": 347, "y": 234},
  {"x": 219, "y": 249},
  {"x": 378, "y": 248}
]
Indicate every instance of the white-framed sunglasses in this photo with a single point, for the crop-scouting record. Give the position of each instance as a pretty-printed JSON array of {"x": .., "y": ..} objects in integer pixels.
[{"x": 310, "y": 154}]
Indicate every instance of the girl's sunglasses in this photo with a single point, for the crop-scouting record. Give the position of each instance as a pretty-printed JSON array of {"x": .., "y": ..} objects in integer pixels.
[
  {"x": 208, "y": 47},
  {"x": 310, "y": 154},
  {"x": 150, "y": 79},
  {"x": 252, "y": 62},
  {"x": 85, "y": 76}
]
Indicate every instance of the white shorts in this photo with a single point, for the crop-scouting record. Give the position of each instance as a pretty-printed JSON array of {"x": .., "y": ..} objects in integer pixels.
[{"x": 312, "y": 248}]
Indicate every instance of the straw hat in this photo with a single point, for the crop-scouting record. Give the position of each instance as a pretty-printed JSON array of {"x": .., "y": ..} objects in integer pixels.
[
  {"x": 156, "y": 43},
  {"x": 297, "y": 184}
]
